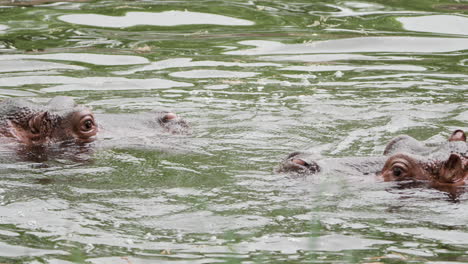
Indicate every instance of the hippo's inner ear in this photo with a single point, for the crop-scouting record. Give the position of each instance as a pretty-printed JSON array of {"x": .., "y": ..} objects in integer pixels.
[
  {"x": 39, "y": 123},
  {"x": 452, "y": 169},
  {"x": 453, "y": 162},
  {"x": 458, "y": 135}
]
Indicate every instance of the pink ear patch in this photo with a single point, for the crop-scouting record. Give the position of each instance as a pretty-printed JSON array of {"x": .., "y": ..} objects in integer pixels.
[{"x": 299, "y": 162}]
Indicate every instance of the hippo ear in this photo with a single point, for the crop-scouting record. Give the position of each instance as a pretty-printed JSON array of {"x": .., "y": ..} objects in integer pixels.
[
  {"x": 39, "y": 123},
  {"x": 458, "y": 135},
  {"x": 452, "y": 169},
  {"x": 453, "y": 162}
]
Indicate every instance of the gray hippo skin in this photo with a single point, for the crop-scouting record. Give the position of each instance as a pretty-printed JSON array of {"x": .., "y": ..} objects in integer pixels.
[
  {"x": 61, "y": 120},
  {"x": 404, "y": 158}
]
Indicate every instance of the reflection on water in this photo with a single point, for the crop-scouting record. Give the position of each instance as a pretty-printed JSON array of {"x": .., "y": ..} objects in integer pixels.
[
  {"x": 367, "y": 44},
  {"x": 18, "y": 251},
  {"x": 438, "y": 24},
  {"x": 351, "y": 8},
  {"x": 96, "y": 59},
  {"x": 333, "y": 57},
  {"x": 188, "y": 62},
  {"x": 168, "y": 18},
  {"x": 91, "y": 83},
  {"x": 213, "y": 74},
  {"x": 25, "y": 65},
  {"x": 273, "y": 82},
  {"x": 351, "y": 67}
]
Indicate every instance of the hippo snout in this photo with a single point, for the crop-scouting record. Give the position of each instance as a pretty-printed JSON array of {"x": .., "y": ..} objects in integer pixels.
[
  {"x": 173, "y": 123},
  {"x": 167, "y": 116},
  {"x": 299, "y": 163}
]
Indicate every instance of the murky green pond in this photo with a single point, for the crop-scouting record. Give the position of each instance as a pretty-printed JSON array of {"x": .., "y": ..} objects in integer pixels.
[{"x": 257, "y": 80}]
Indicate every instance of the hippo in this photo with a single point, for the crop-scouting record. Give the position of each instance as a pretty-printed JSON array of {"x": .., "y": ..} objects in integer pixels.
[
  {"x": 32, "y": 124},
  {"x": 63, "y": 121},
  {"x": 446, "y": 167},
  {"x": 404, "y": 158}
]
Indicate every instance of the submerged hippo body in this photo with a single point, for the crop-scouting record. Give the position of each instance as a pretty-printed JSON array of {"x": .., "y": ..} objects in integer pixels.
[
  {"x": 404, "y": 158},
  {"x": 61, "y": 120}
]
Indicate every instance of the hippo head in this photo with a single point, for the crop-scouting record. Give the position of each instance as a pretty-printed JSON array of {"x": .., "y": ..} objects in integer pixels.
[
  {"x": 445, "y": 168},
  {"x": 35, "y": 125},
  {"x": 450, "y": 171},
  {"x": 77, "y": 124},
  {"x": 299, "y": 162},
  {"x": 31, "y": 128}
]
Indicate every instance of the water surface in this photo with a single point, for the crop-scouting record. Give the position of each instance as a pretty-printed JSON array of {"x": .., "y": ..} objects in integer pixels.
[{"x": 257, "y": 80}]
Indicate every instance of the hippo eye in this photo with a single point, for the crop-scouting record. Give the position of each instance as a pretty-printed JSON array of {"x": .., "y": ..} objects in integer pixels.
[
  {"x": 87, "y": 124},
  {"x": 397, "y": 171}
]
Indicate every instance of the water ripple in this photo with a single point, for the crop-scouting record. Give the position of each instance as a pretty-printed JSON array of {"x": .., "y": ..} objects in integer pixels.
[{"x": 168, "y": 18}]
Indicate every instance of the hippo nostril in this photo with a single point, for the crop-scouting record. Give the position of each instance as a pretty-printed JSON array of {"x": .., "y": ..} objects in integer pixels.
[
  {"x": 458, "y": 135},
  {"x": 300, "y": 162},
  {"x": 169, "y": 116},
  {"x": 172, "y": 122},
  {"x": 300, "y": 165}
]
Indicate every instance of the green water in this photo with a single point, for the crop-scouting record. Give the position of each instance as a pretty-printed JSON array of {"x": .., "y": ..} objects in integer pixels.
[{"x": 257, "y": 80}]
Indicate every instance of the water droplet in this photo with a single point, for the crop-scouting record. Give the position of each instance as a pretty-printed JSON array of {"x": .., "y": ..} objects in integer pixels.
[
  {"x": 279, "y": 218},
  {"x": 89, "y": 247},
  {"x": 32, "y": 224},
  {"x": 149, "y": 236},
  {"x": 339, "y": 74}
]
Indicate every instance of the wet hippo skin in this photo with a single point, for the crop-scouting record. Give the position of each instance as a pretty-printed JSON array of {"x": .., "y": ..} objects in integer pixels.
[
  {"x": 445, "y": 167},
  {"x": 404, "y": 158},
  {"x": 61, "y": 120},
  {"x": 307, "y": 163}
]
